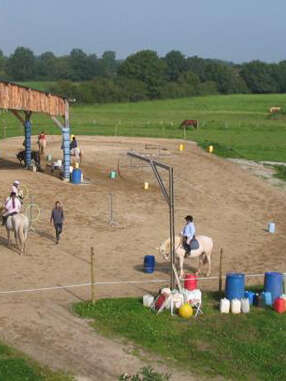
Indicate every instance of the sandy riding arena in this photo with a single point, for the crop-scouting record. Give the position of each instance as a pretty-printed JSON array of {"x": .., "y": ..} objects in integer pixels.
[{"x": 227, "y": 202}]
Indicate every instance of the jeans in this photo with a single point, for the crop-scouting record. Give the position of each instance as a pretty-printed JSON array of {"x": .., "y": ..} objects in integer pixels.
[{"x": 59, "y": 229}]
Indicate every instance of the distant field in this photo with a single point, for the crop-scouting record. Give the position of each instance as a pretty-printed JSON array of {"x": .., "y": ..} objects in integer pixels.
[
  {"x": 38, "y": 85},
  {"x": 237, "y": 125}
]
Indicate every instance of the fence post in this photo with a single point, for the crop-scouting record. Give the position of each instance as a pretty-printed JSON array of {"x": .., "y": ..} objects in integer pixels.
[
  {"x": 92, "y": 277},
  {"x": 220, "y": 271}
]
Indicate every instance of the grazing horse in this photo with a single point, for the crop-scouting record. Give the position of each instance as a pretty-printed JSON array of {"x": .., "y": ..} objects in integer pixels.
[
  {"x": 204, "y": 252},
  {"x": 189, "y": 123},
  {"x": 19, "y": 224},
  {"x": 42, "y": 143},
  {"x": 21, "y": 156}
]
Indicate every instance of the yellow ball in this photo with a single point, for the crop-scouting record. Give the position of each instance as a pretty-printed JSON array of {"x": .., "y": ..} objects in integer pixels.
[{"x": 185, "y": 311}]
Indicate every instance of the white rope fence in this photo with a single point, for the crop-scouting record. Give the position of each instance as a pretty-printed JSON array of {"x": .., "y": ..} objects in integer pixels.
[{"x": 111, "y": 283}]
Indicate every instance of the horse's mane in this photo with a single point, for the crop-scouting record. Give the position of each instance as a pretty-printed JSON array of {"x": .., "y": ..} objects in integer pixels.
[{"x": 166, "y": 244}]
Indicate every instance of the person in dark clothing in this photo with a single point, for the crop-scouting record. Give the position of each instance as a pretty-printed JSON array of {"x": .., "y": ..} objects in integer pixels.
[
  {"x": 73, "y": 143},
  {"x": 57, "y": 217}
]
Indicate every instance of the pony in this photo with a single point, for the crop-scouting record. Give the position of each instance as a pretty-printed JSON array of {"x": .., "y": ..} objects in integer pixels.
[
  {"x": 189, "y": 123},
  {"x": 77, "y": 153},
  {"x": 19, "y": 224},
  {"x": 204, "y": 252},
  {"x": 42, "y": 143},
  {"x": 21, "y": 156}
]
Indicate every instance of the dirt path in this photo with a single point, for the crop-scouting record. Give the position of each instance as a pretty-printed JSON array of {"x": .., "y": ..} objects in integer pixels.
[{"x": 229, "y": 204}]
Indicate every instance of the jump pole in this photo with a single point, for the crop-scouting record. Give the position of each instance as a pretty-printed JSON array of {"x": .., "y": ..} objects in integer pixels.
[{"x": 220, "y": 271}]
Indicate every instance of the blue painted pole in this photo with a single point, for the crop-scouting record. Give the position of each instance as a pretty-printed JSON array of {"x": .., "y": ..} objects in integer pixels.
[
  {"x": 28, "y": 128},
  {"x": 66, "y": 152}
]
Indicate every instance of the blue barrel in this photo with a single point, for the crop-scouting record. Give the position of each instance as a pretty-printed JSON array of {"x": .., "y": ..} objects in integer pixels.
[
  {"x": 234, "y": 286},
  {"x": 149, "y": 263},
  {"x": 273, "y": 284},
  {"x": 250, "y": 295},
  {"x": 76, "y": 176}
]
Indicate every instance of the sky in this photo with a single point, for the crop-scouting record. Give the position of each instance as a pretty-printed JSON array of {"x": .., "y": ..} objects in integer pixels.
[{"x": 232, "y": 30}]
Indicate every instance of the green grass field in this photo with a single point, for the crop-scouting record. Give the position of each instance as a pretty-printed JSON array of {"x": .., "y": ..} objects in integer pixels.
[
  {"x": 15, "y": 366},
  {"x": 236, "y": 125},
  {"x": 238, "y": 347}
]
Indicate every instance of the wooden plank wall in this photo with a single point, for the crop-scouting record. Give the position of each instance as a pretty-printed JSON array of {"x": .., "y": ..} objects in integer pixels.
[{"x": 20, "y": 98}]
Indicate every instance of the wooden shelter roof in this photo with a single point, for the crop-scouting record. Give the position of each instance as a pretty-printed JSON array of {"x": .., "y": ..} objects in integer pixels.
[{"x": 21, "y": 98}]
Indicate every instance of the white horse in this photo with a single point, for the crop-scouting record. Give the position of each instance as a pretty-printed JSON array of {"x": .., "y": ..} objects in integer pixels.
[
  {"x": 77, "y": 153},
  {"x": 19, "y": 224},
  {"x": 204, "y": 252},
  {"x": 42, "y": 143}
]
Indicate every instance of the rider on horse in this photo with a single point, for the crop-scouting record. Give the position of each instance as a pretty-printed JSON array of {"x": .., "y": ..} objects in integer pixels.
[
  {"x": 12, "y": 206},
  {"x": 188, "y": 234},
  {"x": 16, "y": 189}
]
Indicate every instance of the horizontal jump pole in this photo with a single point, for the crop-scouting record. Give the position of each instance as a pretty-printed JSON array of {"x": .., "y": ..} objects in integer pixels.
[{"x": 148, "y": 160}]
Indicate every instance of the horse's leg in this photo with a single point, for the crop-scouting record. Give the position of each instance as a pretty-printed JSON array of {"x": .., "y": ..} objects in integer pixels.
[
  {"x": 8, "y": 235},
  {"x": 201, "y": 259},
  {"x": 209, "y": 263},
  {"x": 181, "y": 264}
]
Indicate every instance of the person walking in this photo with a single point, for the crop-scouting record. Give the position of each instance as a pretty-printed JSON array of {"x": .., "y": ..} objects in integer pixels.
[{"x": 57, "y": 217}]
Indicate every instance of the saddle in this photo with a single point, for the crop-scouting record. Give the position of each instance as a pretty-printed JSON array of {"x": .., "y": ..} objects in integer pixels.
[{"x": 194, "y": 245}]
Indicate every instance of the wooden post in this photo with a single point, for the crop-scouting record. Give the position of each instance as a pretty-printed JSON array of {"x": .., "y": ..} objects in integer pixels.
[
  {"x": 220, "y": 271},
  {"x": 92, "y": 277},
  {"x": 184, "y": 133}
]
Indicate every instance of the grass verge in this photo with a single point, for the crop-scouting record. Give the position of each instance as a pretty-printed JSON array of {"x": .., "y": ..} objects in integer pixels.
[
  {"x": 239, "y": 347},
  {"x": 15, "y": 366}
]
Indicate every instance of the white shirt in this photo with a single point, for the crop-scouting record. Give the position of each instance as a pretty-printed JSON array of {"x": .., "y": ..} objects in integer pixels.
[
  {"x": 15, "y": 189},
  {"x": 189, "y": 231},
  {"x": 13, "y": 208}
]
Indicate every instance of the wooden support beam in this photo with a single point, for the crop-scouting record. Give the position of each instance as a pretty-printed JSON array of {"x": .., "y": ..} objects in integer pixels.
[
  {"x": 18, "y": 116},
  {"x": 57, "y": 122}
]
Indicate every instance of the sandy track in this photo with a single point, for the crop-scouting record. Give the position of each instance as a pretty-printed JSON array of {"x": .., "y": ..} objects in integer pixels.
[{"x": 229, "y": 204}]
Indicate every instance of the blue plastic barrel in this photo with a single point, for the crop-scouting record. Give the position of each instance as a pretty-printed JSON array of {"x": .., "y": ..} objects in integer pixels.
[
  {"x": 234, "y": 286},
  {"x": 149, "y": 263},
  {"x": 76, "y": 176},
  {"x": 273, "y": 284},
  {"x": 250, "y": 295}
]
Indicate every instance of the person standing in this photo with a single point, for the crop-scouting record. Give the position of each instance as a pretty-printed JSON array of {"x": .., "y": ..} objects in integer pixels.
[
  {"x": 188, "y": 233},
  {"x": 57, "y": 217}
]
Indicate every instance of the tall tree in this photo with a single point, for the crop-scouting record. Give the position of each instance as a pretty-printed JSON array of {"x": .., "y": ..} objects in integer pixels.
[
  {"x": 147, "y": 67},
  {"x": 80, "y": 69},
  {"x": 21, "y": 65},
  {"x": 176, "y": 64},
  {"x": 259, "y": 77},
  {"x": 46, "y": 66}
]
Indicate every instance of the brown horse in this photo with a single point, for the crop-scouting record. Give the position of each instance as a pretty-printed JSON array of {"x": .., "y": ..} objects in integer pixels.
[{"x": 189, "y": 123}]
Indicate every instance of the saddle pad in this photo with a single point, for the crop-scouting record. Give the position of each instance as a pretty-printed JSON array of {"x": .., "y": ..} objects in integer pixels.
[{"x": 194, "y": 244}]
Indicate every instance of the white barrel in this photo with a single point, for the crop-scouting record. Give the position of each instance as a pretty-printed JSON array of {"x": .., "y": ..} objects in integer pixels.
[
  {"x": 148, "y": 300},
  {"x": 235, "y": 306},
  {"x": 271, "y": 227},
  {"x": 224, "y": 306},
  {"x": 245, "y": 307}
]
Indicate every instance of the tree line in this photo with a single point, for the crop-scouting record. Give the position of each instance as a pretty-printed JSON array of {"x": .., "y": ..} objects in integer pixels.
[{"x": 141, "y": 76}]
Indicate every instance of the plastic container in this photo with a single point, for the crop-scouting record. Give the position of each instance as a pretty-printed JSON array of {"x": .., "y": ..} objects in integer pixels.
[
  {"x": 273, "y": 284},
  {"x": 148, "y": 300},
  {"x": 190, "y": 282},
  {"x": 149, "y": 264},
  {"x": 76, "y": 176},
  {"x": 113, "y": 174},
  {"x": 250, "y": 295},
  {"x": 234, "y": 286},
  {"x": 235, "y": 306},
  {"x": 280, "y": 305},
  {"x": 49, "y": 157},
  {"x": 271, "y": 227},
  {"x": 245, "y": 306},
  {"x": 284, "y": 283},
  {"x": 266, "y": 298},
  {"x": 210, "y": 149},
  {"x": 224, "y": 306}
]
